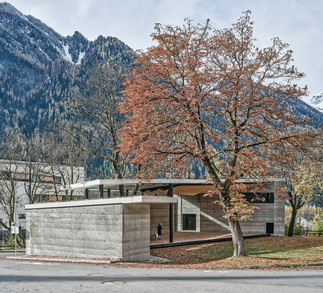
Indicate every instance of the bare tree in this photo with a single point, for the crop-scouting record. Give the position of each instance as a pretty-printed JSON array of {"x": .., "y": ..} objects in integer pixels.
[
  {"x": 9, "y": 198},
  {"x": 64, "y": 157},
  {"x": 34, "y": 170},
  {"x": 97, "y": 106},
  {"x": 10, "y": 174}
]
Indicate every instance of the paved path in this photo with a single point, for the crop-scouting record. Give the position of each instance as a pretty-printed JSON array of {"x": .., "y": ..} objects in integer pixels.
[{"x": 29, "y": 276}]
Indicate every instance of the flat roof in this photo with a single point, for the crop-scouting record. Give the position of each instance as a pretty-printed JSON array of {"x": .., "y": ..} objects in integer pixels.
[
  {"x": 158, "y": 186},
  {"x": 104, "y": 201},
  {"x": 130, "y": 184}
]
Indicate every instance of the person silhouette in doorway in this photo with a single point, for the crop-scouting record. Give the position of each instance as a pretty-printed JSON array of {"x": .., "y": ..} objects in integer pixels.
[{"x": 159, "y": 231}]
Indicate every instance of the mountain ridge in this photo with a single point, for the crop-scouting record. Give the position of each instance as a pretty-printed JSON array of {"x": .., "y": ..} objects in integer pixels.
[
  {"x": 39, "y": 67},
  {"x": 317, "y": 102}
]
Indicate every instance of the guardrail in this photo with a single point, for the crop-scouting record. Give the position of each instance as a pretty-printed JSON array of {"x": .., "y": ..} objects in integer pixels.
[
  {"x": 310, "y": 233},
  {"x": 315, "y": 233}
]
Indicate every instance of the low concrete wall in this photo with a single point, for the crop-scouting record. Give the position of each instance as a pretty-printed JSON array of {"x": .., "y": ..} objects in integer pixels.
[
  {"x": 106, "y": 228},
  {"x": 136, "y": 226},
  {"x": 94, "y": 231}
]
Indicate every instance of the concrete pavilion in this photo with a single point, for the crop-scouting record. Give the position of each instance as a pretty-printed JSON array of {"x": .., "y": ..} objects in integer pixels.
[{"x": 110, "y": 226}]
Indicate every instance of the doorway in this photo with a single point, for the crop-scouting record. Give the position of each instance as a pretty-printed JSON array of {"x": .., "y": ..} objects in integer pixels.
[{"x": 189, "y": 222}]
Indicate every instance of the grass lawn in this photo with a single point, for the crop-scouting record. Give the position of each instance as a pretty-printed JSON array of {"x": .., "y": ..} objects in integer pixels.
[
  {"x": 6, "y": 248},
  {"x": 266, "y": 253}
]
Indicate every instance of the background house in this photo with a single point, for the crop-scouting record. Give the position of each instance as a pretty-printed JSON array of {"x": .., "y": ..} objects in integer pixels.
[{"x": 24, "y": 183}]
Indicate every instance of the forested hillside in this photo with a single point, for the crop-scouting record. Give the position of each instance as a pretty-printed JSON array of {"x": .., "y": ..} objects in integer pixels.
[
  {"x": 38, "y": 68},
  {"x": 41, "y": 72}
]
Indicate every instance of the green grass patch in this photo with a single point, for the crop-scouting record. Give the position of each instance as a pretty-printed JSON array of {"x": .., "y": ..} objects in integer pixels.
[
  {"x": 267, "y": 252},
  {"x": 6, "y": 247}
]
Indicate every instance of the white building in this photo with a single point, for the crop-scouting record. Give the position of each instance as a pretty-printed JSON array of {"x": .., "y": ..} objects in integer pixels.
[{"x": 24, "y": 183}]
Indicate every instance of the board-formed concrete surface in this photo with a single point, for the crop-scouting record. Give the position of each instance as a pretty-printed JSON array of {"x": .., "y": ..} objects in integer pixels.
[
  {"x": 75, "y": 231},
  {"x": 107, "y": 228}
]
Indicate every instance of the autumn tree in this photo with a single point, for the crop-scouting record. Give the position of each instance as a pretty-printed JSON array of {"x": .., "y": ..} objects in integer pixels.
[
  {"x": 212, "y": 95},
  {"x": 99, "y": 119},
  {"x": 303, "y": 176}
]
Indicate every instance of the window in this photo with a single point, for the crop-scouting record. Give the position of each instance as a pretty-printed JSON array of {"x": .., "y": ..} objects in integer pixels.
[
  {"x": 5, "y": 175},
  {"x": 20, "y": 176},
  {"x": 57, "y": 180},
  {"x": 55, "y": 198},
  {"x": 22, "y": 216},
  {"x": 41, "y": 198},
  {"x": 46, "y": 179},
  {"x": 260, "y": 197}
]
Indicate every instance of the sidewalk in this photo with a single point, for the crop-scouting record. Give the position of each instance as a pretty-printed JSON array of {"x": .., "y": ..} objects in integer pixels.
[{"x": 179, "y": 239}]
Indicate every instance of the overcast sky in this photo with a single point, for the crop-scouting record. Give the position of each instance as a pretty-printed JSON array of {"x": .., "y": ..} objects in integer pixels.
[{"x": 297, "y": 22}]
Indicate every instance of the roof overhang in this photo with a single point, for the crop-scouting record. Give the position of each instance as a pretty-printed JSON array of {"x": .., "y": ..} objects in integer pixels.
[
  {"x": 139, "y": 199},
  {"x": 157, "y": 186}
]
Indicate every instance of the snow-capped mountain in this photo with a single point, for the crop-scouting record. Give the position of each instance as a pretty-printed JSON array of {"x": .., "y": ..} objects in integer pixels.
[
  {"x": 317, "y": 102},
  {"x": 28, "y": 32},
  {"x": 38, "y": 66}
]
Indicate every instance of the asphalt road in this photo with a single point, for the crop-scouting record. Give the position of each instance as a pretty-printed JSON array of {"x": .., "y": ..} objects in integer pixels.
[{"x": 27, "y": 276}]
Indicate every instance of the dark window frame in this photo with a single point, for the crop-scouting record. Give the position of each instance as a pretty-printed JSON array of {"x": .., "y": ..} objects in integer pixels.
[{"x": 260, "y": 197}]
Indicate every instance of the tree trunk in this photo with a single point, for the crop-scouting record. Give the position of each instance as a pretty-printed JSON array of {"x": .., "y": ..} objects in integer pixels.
[
  {"x": 234, "y": 224},
  {"x": 122, "y": 190},
  {"x": 224, "y": 196},
  {"x": 292, "y": 221},
  {"x": 237, "y": 238}
]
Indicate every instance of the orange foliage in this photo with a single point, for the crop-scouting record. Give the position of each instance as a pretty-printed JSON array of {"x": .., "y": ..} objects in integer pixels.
[{"x": 210, "y": 94}]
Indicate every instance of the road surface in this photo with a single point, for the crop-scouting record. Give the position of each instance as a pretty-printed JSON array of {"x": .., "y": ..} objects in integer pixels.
[{"x": 33, "y": 276}]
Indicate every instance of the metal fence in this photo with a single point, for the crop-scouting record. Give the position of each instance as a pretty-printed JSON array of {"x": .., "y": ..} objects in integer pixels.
[{"x": 312, "y": 233}]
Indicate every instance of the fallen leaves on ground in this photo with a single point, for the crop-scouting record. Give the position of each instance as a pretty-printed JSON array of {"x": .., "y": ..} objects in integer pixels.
[{"x": 262, "y": 253}]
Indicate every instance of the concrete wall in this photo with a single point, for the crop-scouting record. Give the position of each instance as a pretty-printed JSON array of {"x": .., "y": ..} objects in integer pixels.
[
  {"x": 188, "y": 205},
  {"x": 261, "y": 216},
  {"x": 279, "y": 217},
  {"x": 267, "y": 213},
  {"x": 212, "y": 216},
  {"x": 94, "y": 231},
  {"x": 136, "y": 227},
  {"x": 159, "y": 213},
  {"x": 106, "y": 228}
]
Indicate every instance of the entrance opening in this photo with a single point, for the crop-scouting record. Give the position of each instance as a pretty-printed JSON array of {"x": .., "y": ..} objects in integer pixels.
[
  {"x": 189, "y": 222},
  {"x": 270, "y": 228}
]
